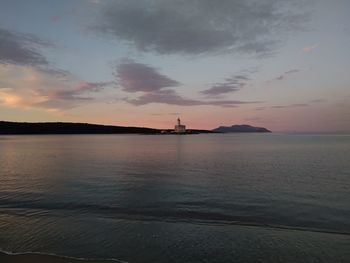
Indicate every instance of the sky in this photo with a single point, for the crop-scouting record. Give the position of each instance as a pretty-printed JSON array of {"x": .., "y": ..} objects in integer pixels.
[{"x": 279, "y": 64}]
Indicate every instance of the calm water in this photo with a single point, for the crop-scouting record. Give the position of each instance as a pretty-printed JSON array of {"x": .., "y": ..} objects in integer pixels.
[{"x": 195, "y": 198}]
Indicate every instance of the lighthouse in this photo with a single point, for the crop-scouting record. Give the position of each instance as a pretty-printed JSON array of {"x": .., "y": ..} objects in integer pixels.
[{"x": 179, "y": 128}]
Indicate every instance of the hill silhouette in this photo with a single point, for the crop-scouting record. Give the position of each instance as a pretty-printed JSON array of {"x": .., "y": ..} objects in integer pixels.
[
  {"x": 7, "y": 127},
  {"x": 240, "y": 128}
]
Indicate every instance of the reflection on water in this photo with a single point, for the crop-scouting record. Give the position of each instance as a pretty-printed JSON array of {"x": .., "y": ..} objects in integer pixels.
[{"x": 194, "y": 198}]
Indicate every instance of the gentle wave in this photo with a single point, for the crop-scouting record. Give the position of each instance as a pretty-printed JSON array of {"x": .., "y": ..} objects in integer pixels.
[
  {"x": 188, "y": 199},
  {"x": 50, "y": 257},
  {"x": 179, "y": 212}
]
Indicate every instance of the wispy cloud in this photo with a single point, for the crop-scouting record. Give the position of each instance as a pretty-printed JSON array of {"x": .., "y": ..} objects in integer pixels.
[
  {"x": 221, "y": 88},
  {"x": 253, "y": 119},
  {"x": 156, "y": 87},
  {"x": 232, "y": 84},
  {"x": 30, "y": 88},
  {"x": 290, "y": 106},
  {"x": 21, "y": 49},
  {"x": 311, "y": 48},
  {"x": 317, "y": 101},
  {"x": 25, "y": 50},
  {"x": 96, "y": 2},
  {"x": 197, "y": 27},
  {"x": 134, "y": 77},
  {"x": 170, "y": 113},
  {"x": 76, "y": 92},
  {"x": 172, "y": 98},
  {"x": 295, "y": 105},
  {"x": 292, "y": 71},
  {"x": 56, "y": 18}
]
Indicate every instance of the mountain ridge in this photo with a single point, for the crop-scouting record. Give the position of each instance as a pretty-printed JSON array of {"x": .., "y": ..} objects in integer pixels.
[{"x": 240, "y": 128}]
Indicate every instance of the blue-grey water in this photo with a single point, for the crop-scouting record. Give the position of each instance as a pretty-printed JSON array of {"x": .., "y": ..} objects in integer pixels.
[{"x": 193, "y": 198}]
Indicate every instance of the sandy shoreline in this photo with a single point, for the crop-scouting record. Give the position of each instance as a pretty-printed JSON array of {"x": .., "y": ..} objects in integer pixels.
[{"x": 41, "y": 258}]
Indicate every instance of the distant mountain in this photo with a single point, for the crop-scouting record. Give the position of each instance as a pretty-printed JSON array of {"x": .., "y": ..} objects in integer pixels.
[
  {"x": 240, "y": 128},
  {"x": 68, "y": 128}
]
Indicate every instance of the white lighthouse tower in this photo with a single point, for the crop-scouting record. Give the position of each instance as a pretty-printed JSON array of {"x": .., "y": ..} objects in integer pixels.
[{"x": 179, "y": 128}]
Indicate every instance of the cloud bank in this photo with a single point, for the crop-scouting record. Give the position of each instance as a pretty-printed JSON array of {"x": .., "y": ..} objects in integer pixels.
[
  {"x": 156, "y": 88},
  {"x": 28, "y": 80},
  {"x": 232, "y": 84},
  {"x": 30, "y": 88},
  {"x": 134, "y": 77},
  {"x": 197, "y": 27},
  {"x": 172, "y": 98},
  {"x": 21, "y": 49}
]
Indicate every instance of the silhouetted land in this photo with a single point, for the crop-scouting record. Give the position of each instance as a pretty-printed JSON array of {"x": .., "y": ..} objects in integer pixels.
[
  {"x": 7, "y": 127},
  {"x": 76, "y": 128},
  {"x": 68, "y": 128},
  {"x": 240, "y": 128}
]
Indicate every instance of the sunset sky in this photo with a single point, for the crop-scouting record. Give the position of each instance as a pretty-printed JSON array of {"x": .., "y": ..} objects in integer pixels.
[{"x": 283, "y": 65}]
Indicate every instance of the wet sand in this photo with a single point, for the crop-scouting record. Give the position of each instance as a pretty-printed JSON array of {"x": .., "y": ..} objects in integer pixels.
[{"x": 39, "y": 258}]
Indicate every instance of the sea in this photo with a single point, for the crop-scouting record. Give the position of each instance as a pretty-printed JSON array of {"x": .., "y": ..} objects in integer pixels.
[{"x": 177, "y": 198}]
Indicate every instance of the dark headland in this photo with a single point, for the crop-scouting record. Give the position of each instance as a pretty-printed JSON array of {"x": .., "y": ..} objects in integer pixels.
[
  {"x": 7, "y": 127},
  {"x": 68, "y": 128}
]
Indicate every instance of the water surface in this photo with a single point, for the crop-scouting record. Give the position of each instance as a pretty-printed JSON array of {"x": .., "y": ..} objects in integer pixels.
[{"x": 193, "y": 198}]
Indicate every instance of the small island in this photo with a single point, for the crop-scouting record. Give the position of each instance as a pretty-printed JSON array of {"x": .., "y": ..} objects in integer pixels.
[{"x": 240, "y": 128}]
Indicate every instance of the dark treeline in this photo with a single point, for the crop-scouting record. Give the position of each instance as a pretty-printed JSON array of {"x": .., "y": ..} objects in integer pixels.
[
  {"x": 7, "y": 127},
  {"x": 68, "y": 128}
]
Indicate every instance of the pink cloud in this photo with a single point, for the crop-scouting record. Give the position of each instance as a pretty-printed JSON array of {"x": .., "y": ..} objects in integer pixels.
[
  {"x": 309, "y": 49},
  {"x": 56, "y": 18}
]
